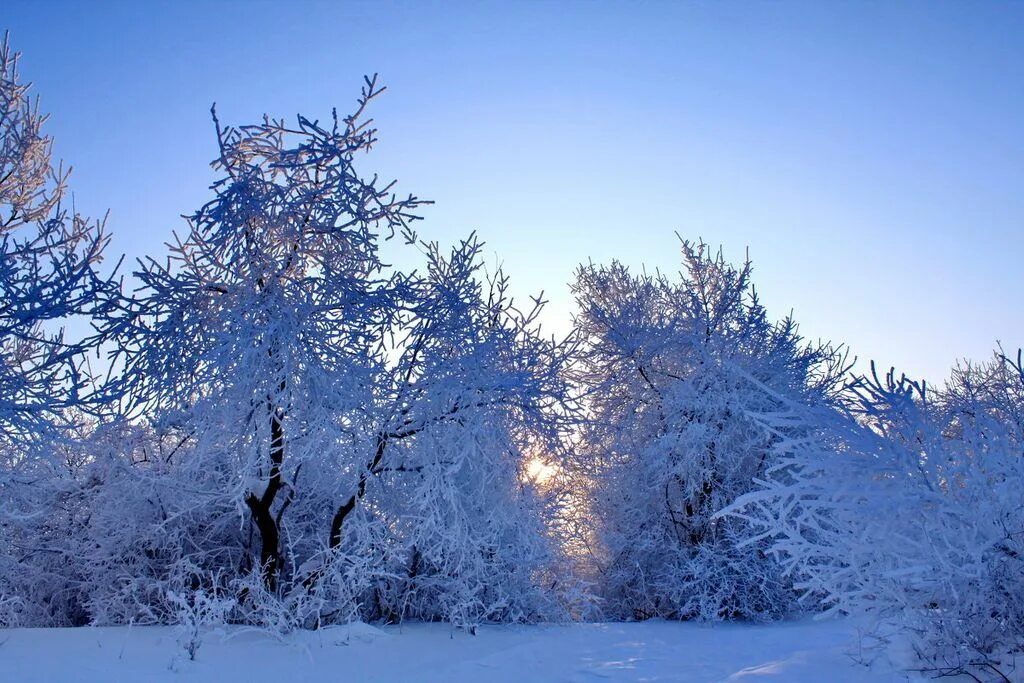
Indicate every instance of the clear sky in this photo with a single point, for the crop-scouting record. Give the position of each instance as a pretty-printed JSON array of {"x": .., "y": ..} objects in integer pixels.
[{"x": 870, "y": 155}]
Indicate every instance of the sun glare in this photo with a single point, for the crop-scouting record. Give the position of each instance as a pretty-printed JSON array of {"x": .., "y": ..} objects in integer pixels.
[{"x": 538, "y": 471}]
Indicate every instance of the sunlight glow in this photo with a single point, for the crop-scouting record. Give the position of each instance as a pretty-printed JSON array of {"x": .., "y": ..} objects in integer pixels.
[{"x": 538, "y": 471}]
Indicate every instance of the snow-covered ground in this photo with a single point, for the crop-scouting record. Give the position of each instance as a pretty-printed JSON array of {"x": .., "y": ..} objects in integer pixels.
[{"x": 807, "y": 651}]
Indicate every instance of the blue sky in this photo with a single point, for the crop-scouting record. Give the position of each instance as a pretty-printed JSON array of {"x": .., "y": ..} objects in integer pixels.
[{"x": 870, "y": 155}]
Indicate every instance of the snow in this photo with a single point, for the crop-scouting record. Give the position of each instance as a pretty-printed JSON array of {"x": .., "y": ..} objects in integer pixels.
[{"x": 803, "y": 651}]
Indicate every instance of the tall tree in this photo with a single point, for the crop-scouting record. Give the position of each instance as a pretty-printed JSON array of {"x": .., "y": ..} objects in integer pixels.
[
  {"x": 262, "y": 330},
  {"x": 49, "y": 279},
  {"x": 337, "y": 404}
]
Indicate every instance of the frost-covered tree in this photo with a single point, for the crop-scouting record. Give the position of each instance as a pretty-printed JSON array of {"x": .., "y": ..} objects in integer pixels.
[
  {"x": 477, "y": 393},
  {"x": 49, "y": 278},
  {"x": 48, "y": 272},
  {"x": 259, "y": 337},
  {"x": 906, "y": 506},
  {"x": 671, "y": 372},
  {"x": 327, "y": 436}
]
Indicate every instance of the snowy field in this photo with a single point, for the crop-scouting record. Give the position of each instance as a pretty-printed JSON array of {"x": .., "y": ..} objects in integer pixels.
[{"x": 811, "y": 652}]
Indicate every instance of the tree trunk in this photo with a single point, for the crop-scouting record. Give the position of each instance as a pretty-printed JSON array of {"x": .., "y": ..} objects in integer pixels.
[
  {"x": 349, "y": 505},
  {"x": 260, "y": 507}
]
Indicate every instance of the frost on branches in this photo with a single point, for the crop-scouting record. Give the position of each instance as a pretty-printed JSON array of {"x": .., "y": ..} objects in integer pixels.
[
  {"x": 48, "y": 278},
  {"x": 907, "y": 506},
  {"x": 327, "y": 437},
  {"x": 476, "y": 393},
  {"x": 291, "y": 433},
  {"x": 671, "y": 372}
]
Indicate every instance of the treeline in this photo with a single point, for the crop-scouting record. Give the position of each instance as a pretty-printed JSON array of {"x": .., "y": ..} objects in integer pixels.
[{"x": 269, "y": 425}]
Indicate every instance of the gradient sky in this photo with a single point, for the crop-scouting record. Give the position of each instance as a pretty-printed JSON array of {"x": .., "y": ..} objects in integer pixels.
[{"x": 870, "y": 155}]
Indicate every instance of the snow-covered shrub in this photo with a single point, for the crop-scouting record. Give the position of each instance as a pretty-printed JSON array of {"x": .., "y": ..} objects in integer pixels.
[
  {"x": 267, "y": 609},
  {"x": 347, "y": 577},
  {"x": 199, "y": 603},
  {"x": 37, "y": 572},
  {"x": 907, "y": 506},
  {"x": 10, "y": 609},
  {"x": 670, "y": 370},
  {"x": 179, "y": 518}
]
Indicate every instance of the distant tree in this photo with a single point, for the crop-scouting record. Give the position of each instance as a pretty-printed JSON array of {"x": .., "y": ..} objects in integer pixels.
[{"x": 671, "y": 371}]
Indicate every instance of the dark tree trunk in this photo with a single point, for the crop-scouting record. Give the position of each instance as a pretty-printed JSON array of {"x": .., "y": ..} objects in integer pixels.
[
  {"x": 260, "y": 506},
  {"x": 346, "y": 508}
]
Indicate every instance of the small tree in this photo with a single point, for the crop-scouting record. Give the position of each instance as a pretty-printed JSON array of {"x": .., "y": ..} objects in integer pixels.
[{"x": 671, "y": 371}]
